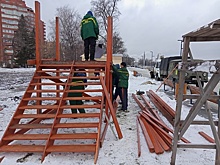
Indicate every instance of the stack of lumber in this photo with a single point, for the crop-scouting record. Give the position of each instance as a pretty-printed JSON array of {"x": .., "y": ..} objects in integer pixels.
[{"x": 157, "y": 134}]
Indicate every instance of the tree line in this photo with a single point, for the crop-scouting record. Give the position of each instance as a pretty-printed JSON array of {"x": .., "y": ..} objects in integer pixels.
[{"x": 71, "y": 44}]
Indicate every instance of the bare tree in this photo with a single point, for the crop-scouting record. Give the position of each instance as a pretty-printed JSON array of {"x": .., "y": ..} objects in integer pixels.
[
  {"x": 118, "y": 44},
  {"x": 102, "y": 10},
  {"x": 71, "y": 43}
]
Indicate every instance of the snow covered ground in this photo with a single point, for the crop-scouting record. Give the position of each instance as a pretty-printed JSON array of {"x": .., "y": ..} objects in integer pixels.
[{"x": 13, "y": 83}]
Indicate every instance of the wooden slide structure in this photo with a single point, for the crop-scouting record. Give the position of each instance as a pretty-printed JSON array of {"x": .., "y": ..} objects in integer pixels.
[
  {"x": 40, "y": 122},
  {"x": 43, "y": 121}
]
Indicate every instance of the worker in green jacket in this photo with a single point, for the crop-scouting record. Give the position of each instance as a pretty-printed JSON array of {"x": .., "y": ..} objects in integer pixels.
[
  {"x": 89, "y": 34},
  {"x": 77, "y": 86},
  {"x": 123, "y": 76}
]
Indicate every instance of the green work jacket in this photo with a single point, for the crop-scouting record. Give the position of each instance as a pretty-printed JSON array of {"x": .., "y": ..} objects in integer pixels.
[
  {"x": 89, "y": 27},
  {"x": 123, "y": 75}
]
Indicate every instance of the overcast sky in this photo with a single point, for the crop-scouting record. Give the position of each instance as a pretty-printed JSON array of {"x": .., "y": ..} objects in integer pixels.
[{"x": 153, "y": 25}]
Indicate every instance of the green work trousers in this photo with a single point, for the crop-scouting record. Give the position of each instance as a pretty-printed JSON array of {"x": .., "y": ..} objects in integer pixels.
[{"x": 77, "y": 102}]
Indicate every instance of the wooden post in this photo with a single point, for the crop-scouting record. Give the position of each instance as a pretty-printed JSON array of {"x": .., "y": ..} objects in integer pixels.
[
  {"x": 109, "y": 59},
  {"x": 37, "y": 32},
  {"x": 37, "y": 40},
  {"x": 57, "y": 40}
]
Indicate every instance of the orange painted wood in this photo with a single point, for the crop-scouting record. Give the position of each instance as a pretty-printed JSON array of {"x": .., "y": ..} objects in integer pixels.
[
  {"x": 138, "y": 138},
  {"x": 146, "y": 136},
  {"x": 155, "y": 125},
  {"x": 157, "y": 147},
  {"x": 98, "y": 106},
  {"x": 27, "y": 137},
  {"x": 35, "y": 116},
  {"x": 76, "y": 125},
  {"x": 24, "y": 148},
  {"x": 166, "y": 106},
  {"x": 165, "y": 146},
  {"x": 72, "y": 148},
  {"x": 207, "y": 137},
  {"x": 30, "y": 126},
  {"x": 112, "y": 112},
  {"x": 57, "y": 40},
  {"x": 37, "y": 33},
  {"x": 169, "y": 117},
  {"x": 74, "y": 136}
]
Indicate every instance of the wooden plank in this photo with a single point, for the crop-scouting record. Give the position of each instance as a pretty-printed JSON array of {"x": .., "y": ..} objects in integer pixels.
[
  {"x": 27, "y": 137},
  {"x": 35, "y": 116},
  {"x": 76, "y": 125},
  {"x": 207, "y": 137},
  {"x": 74, "y": 136},
  {"x": 72, "y": 148},
  {"x": 22, "y": 148},
  {"x": 79, "y": 115},
  {"x": 86, "y": 90},
  {"x": 42, "y": 98},
  {"x": 30, "y": 126},
  {"x": 39, "y": 107},
  {"x": 146, "y": 136},
  {"x": 138, "y": 138},
  {"x": 83, "y": 98},
  {"x": 98, "y": 106},
  {"x": 157, "y": 147}
]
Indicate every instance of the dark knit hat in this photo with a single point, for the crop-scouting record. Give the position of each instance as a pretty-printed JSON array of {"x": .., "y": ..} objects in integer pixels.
[
  {"x": 90, "y": 13},
  {"x": 123, "y": 64}
]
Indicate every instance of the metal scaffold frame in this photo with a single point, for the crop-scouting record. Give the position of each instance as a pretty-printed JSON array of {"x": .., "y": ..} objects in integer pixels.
[{"x": 210, "y": 32}]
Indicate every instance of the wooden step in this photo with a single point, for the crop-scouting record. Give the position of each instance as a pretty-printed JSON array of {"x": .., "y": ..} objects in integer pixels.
[
  {"x": 51, "y": 77},
  {"x": 53, "y": 71},
  {"x": 22, "y": 148},
  {"x": 81, "y": 84},
  {"x": 30, "y": 126},
  {"x": 42, "y": 98},
  {"x": 74, "y": 136},
  {"x": 36, "y": 116},
  {"x": 86, "y": 90},
  {"x": 72, "y": 148},
  {"x": 98, "y": 106},
  {"x": 79, "y": 115},
  {"x": 27, "y": 137},
  {"x": 83, "y": 98},
  {"x": 39, "y": 107},
  {"x": 56, "y": 66},
  {"x": 76, "y": 125},
  {"x": 47, "y": 116},
  {"x": 48, "y": 84},
  {"x": 45, "y": 91}
]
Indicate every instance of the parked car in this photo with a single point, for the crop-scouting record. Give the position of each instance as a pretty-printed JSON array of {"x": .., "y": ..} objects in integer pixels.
[{"x": 190, "y": 76}]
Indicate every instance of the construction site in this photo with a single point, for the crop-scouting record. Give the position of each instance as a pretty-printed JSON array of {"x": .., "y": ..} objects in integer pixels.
[{"x": 42, "y": 130}]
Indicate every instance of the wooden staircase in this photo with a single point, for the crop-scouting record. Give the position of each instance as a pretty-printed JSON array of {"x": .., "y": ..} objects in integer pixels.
[{"x": 43, "y": 121}]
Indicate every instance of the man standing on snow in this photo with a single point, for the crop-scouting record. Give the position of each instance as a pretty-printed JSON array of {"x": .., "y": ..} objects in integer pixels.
[
  {"x": 123, "y": 76},
  {"x": 89, "y": 34}
]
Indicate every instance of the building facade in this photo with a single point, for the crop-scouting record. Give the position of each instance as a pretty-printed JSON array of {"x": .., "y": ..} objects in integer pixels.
[{"x": 10, "y": 13}]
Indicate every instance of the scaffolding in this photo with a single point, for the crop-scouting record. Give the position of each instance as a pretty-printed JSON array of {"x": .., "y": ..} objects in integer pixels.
[{"x": 210, "y": 32}]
